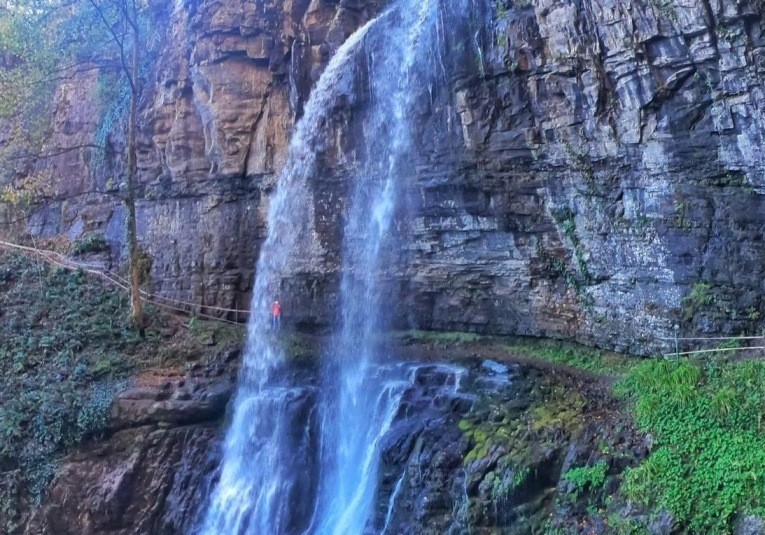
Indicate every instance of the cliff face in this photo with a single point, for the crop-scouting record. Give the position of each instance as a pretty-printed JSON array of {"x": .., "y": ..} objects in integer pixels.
[
  {"x": 612, "y": 165},
  {"x": 227, "y": 80},
  {"x": 589, "y": 164}
]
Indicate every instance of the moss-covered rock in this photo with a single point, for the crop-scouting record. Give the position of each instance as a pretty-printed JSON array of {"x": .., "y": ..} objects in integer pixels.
[{"x": 535, "y": 454}]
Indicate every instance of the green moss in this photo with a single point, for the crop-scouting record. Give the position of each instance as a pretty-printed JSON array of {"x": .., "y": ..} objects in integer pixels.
[
  {"x": 520, "y": 476},
  {"x": 563, "y": 410},
  {"x": 416, "y": 336},
  {"x": 514, "y": 434}
]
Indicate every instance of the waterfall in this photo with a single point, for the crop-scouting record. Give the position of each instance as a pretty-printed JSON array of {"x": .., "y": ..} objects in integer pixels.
[
  {"x": 267, "y": 483},
  {"x": 359, "y": 403},
  {"x": 261, "y": 472}
]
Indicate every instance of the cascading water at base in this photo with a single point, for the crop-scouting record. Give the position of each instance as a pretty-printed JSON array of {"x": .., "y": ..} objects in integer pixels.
[{"x": 263, "y": 482}]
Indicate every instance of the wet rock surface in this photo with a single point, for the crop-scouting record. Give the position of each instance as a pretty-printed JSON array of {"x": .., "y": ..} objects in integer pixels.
[
  {"x": 153, "y": 471},
  {"x": 492, "y": 455},
  {"x": 479, "y": 446}
]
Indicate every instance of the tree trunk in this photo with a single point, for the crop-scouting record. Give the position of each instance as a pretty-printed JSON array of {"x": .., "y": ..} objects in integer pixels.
[{"x": 130, "y": 198}]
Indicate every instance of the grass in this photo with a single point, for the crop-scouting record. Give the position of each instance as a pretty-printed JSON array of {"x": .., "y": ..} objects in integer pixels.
[
  {"x": 552, "y": 351},
  {"x": 446, "y": 337},
  {"x": 576, "y": 356}
]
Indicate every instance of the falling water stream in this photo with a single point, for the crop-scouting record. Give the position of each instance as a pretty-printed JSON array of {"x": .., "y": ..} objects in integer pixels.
[
  {"x": 359, "y": 400},
  {"x": 266, "y": 486},
  {"x": 260, "y": 473}
]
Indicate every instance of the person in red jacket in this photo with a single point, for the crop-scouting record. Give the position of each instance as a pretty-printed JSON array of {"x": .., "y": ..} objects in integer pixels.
[{"x": 276, "y": 315}]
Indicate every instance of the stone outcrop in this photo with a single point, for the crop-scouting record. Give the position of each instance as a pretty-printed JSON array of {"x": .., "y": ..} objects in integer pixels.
[
  {"x": 587, "y": 167},
  {"x": 154, "y": 471},
  {"x": 492, "y": 456},
  {"x": 174, "y": 402}
]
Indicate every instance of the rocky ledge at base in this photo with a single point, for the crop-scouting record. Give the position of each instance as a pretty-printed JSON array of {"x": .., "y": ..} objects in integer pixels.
[
  {"x": 153, "y": 472},
  {"x": 502, "y": 464},
  {"x": 511, "y": 449}
]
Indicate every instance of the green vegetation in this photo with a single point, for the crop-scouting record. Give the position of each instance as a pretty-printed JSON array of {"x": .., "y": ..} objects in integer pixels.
[
  {"x": 446, "y": 337},
  {"x": 576, "y": 356},
  {"x": 555, "y": 413},
  {"x": 586, "y": 477},
  {"x": 520, "y": 440},
  {"x": 544, "y": 350},
  {"x": 581, "y": 277},
  {"x": 705, "y": 417},
  {"x": 93, "y": 243},
  {"x": 707, "y": 422},
  {"x": 66, "y": 349},
  {"x": 699, "y": 299}
]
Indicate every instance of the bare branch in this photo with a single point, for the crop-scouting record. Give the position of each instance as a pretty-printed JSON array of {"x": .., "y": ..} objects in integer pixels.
[
  {"x": 59, "y": 152},
  {"x": 120, "y": 43}
]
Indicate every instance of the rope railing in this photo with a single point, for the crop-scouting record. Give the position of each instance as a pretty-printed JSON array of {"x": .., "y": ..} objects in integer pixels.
[
  {"x": 60, "y": 260},
  {"x": 719, "y": 350},
  {"x": 678, "y": 339}
]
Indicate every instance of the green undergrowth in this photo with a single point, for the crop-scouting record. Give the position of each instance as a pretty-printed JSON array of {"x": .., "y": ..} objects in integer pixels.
[
  {"x": 585, "y": 478},
  {"x": 447, "y": 337},
  {"x": 576, "y": 356},
  {"x": 707, "y": 421},
  {"x": 66, "y": 349}
]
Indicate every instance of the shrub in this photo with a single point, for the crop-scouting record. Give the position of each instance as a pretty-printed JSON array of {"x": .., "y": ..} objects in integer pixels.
[
  {"x": 60, "y": 337},
  {"x": 586, "y": 477},
  {"x": 93, "y": 243},
  {"x": 707, "y": 423},
  {"x": 699, "y": 299}
]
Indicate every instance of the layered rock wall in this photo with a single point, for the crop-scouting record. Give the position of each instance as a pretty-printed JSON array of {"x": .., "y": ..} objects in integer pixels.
[
  {"x": 588, "y": 166},
  {"x": 612, "y": 168}
]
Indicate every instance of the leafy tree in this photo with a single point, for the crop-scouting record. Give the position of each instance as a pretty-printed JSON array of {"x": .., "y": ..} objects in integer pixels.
[{"x": 42, "y": 43}]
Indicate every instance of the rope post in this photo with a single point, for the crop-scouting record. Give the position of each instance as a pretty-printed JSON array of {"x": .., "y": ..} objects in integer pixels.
[{"x": 677, "y": 342}]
